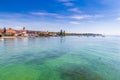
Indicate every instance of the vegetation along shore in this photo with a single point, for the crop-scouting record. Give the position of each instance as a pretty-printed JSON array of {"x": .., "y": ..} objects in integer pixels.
[{"x": 12, "y": 33}]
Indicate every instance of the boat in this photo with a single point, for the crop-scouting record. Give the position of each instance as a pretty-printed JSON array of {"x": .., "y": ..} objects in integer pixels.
[{"x": 1, "y": 39}]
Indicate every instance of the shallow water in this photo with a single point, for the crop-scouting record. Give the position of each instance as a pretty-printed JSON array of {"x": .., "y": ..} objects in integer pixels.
[{"x": 60, "y": 58}]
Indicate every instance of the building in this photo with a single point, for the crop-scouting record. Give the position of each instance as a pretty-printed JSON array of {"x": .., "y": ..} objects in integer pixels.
[
  {"x": 52, "y": 33},
  {"x": 1, "y": 31},
  {"x": 10, "y": 32},
  {"x": 23, "y": 32}
]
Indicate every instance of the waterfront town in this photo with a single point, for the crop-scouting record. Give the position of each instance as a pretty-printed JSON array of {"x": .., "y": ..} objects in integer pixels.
[
  {"x": 9, "y": 32},
  {"x": 28, "y": 33}
]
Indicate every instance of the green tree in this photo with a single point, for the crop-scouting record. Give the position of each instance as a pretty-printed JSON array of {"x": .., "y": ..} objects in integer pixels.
[
  {"x": 0, "y": 35},
  {"x": 61, "y": 32},
  {"x": 4, "y": 30}
]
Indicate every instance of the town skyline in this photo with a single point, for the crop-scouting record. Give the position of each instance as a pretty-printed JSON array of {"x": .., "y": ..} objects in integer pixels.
[
  {"x": 75, "y": 16},
  {"x": 10, "y": 32}
]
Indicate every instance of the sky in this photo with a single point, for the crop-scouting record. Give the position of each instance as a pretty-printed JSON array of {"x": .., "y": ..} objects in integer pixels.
[{"x": 76, "y": 16}]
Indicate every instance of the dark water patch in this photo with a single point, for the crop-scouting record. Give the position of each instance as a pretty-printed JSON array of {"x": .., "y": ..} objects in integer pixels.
[
  {"x": 46, "y": 55},
  {"x": 15, "y": 59},
  {"x": 76, "y": 72},
  {"x": 30, "y": 58}
]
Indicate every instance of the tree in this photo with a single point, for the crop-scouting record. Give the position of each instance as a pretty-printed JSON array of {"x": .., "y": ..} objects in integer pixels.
[
  {"x": 23, "y": 28},
  {"x": 0, "y": 35},
  {"x": 4, "y": 30},
  {"x": 61, "y": 32}
]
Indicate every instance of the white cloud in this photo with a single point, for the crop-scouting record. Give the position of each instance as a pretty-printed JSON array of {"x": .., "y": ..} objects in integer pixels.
[
  {"x": 74, "y": 22},
  {"x": 75, "y": 10},
  {"x": 67, "y": 2},
  {"x": 97, "y": 16},
  {"x": 110, "y": 2},
  {"x": 35, "y": 23},
  {"x": 59, "y": 16},
  {"x": 46, "y": 14},
  {"x": 80, "y": 17},
  {"x": 118, "y": 19},
  {"x": 12, "y": 15},
  {"x": 91, "y": 21}
]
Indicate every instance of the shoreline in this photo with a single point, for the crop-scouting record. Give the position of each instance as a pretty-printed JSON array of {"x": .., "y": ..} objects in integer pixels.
[
  {"x": 6, "y": 37},
  {"x": 13, "y": 37}
]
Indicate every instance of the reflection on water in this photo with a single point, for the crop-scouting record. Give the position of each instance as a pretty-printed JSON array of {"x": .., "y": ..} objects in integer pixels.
[
  {"x": 60, "y": 58},
  {"x": 76, "y": 72},
  {"x": 8, "y": 41},
  {"x": 62, "y": 40}
]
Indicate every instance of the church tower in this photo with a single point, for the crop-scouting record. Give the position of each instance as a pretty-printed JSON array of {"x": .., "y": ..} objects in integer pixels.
[{"x": 23, "y": 28}]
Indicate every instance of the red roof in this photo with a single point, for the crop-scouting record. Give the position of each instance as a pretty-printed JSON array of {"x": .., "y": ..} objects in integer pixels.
[
  {"x": 11, "y": 31},
  {"x": 1, "y": 30}
]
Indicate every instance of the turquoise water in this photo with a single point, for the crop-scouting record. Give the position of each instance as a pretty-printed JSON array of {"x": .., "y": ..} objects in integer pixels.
[{"x": 56, "y": 58}]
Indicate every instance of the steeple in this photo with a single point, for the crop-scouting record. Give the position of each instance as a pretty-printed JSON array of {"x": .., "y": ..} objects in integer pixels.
[{"x": 23, "y": 28}]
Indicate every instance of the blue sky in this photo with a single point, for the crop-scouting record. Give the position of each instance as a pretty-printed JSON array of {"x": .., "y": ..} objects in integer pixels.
[{"x": 80, "y": 16}]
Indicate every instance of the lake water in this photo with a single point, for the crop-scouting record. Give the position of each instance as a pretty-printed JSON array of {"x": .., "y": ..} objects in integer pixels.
[{"x": 60, "y": 58}]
